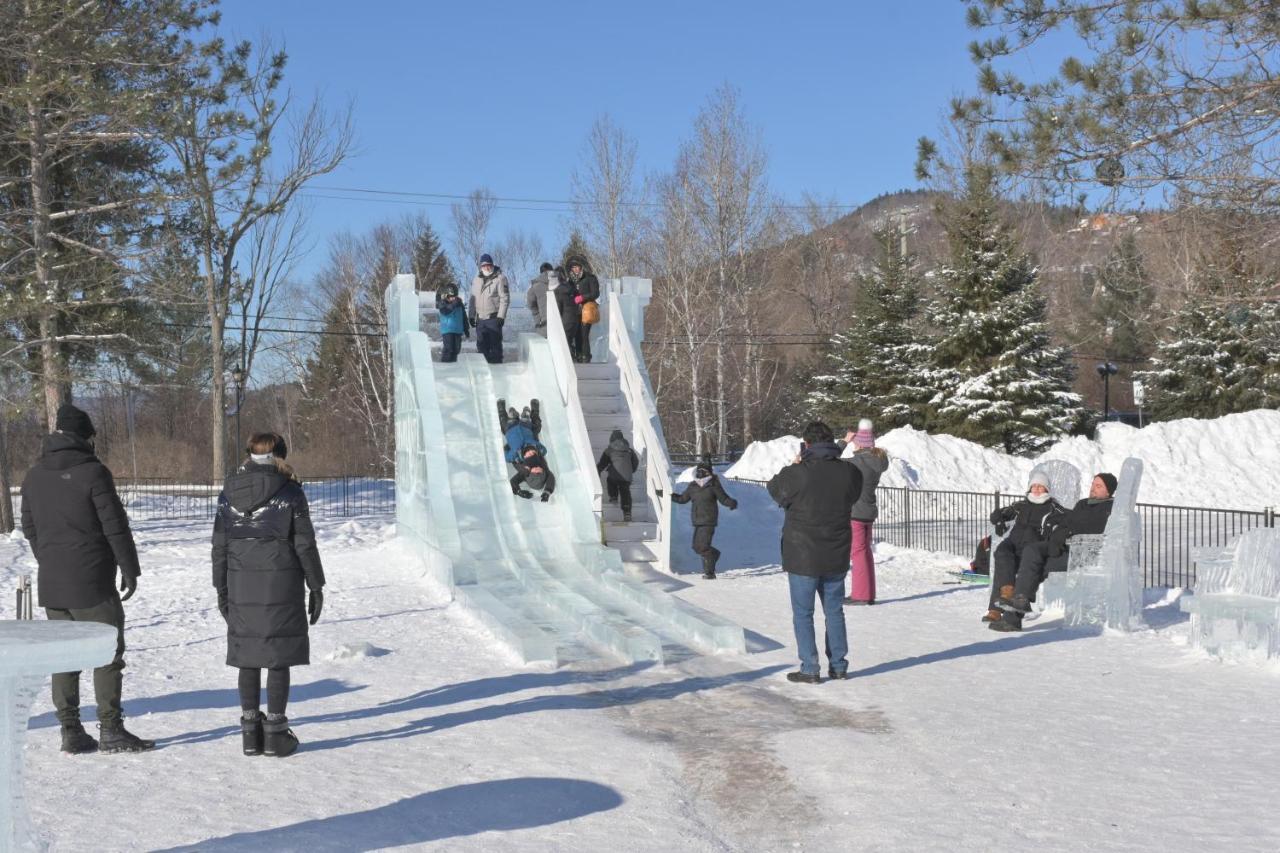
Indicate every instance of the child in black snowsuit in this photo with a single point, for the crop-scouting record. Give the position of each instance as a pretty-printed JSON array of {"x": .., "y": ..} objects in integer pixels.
[
  {"x": 453, "y": 322},
  {"x": 704, "y": 493},
  {"x": 523, "y": 450},
  {"x": 621, "y": 462}
]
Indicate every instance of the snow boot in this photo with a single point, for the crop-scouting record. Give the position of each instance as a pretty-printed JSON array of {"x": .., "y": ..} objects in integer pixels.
[
  {"x": 1007, "y": 623},
  {"x": 626, "y": 517},
  {"x": 114, "y": 737},
  {"x": 993, "y": 615},
  {"x": 1014, "y": 604},
  {"x": 76, "y": 741},
  {"x": 278, "y": 739},
  {"x": 251, "y": 732},
  {"x": 799, "y": 677},
  {"x": 709, "y": 567},
  {"x": 838, "y": 674}
]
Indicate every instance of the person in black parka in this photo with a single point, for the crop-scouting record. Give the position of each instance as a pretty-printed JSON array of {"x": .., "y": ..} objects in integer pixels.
[
  {"x": 620, "y": 462},
  {"x": 264, "y": 561},
  {"x": 79, "y": 534},
  {"x": 818, "y": 492},
  {"x": 705, "y": 494},
  {"x": 569, "y": 304},
  {"x": 588, "y": 290},
  {"x": 1031, "y": 518}
]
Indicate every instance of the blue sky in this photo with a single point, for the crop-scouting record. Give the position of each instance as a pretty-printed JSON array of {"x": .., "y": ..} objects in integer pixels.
[{"x": 450, "y": 97}]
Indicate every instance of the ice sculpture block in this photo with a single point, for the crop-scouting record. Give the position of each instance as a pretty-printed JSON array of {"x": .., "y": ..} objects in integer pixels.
[
  {"x": 1107, "y": 588},
  {"x": 535, "y": 574},
  {"x": 29, "y": 652},
  {"x": 1236, "y": 606}
]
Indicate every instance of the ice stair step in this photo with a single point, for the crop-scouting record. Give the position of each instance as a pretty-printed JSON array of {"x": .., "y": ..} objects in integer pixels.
[
  {"x": 602, "y": 405},
  {"x": 597, "y": 371},
  {"x": 641, "y": 513},
  {"x": 592, "y": 388},
  {"x": 630, "y": 531}
]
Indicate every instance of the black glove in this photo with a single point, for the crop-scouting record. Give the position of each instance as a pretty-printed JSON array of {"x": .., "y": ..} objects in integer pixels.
[
  {"x": 1056, "y": 546},
  {"x": 501, "y": 322},
  {"x": 1001, "y": 527},
  {"x": 223, "y": 607},
  {"x": 519, "y": 492},
  {"x": 128, "y": 586},
  {"x": 473, "y": 318},
  {"x": 546, "y": 496},
  {"x": 467, "y": 333},
  {"x": 733, "y": 505},
  {"x": 315, "y": 603}
]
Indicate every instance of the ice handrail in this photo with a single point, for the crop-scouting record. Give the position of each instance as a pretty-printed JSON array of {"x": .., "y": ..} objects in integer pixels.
[
  {"x": 647, "y": 440},
  {"x": 567, "y": 384}
]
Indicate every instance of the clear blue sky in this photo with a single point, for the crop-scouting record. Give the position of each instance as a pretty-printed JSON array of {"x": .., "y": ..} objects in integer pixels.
[{"x": 453, "y": 96}]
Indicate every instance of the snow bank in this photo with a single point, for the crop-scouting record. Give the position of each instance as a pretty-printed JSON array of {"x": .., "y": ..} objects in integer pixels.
[{"x": 1230, "y": 462}]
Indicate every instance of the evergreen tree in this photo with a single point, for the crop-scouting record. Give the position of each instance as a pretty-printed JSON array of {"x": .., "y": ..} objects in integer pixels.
[
  {"x": 575, "y": 248},
  {"x": 431, "y": 267},
  {"x": 1123, "y": 304},
  {"x": 873, "y": 363},
  {"x": 997, "y": 378},
  {"x": 1222, "y": 352}
]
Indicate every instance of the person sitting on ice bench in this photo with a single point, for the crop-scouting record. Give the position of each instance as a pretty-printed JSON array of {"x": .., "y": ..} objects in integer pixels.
[
  {"x": 523, "y": 450},
  {"x": 1031, "y": 518},
  {"x": 1038, "y": 559}
]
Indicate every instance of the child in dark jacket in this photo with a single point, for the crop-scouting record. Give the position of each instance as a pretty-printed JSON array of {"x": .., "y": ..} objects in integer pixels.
[
  {"x": 453, "y": 322},
  {"x": 621, "y": 462},
  {"x": 524, "y": 451},
  {"x": 704, "y": 493}
]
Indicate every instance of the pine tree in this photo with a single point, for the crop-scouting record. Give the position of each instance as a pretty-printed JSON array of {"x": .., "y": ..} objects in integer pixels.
[
  {"x": 575, "y": 248},
  {"x": 431, "y": 267},
  {"x": 997, "y": 378},
  {"x": 1221, "y": 353},
  {"x": 870, "y": 369},
  {"x": 1123, "y": 304}
]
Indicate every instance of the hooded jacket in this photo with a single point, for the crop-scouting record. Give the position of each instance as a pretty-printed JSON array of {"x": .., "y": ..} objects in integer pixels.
[
  {"x": 588, "y": 285},
  {"x": 490, "y": 295},
  {"x": 453, "y": 317},
  {"x": 705, "y": 500},
  {"x": 619, "y": 458},
  {"x": 871, "y": 462},
  {"x": 264, "y": 560},
  {"x": 818, "y": 494},
  {"x": 76, "y": 525},
  {"x": 570, "y": 312},
  {"x": 545, "y": 480}
]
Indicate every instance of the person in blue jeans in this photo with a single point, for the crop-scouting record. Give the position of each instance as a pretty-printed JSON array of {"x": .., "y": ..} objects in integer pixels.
[
  {"x": 453, "y": 322},
  {"x": 817, "y": 493}
]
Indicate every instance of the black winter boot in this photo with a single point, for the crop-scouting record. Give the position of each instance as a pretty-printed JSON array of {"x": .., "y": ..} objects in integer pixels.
[
  {"x": 76, "y": 741},
  {"x": 1014, "y": 604},
  {"x": 278, "y": 739},
  {"x": 709, "y": 565},
  {"x": 1007, "y": 623},
  {"x": 114, "y": 737},
  {"x": 251, "y": 732},
  {"x": 799, "y": 677}
]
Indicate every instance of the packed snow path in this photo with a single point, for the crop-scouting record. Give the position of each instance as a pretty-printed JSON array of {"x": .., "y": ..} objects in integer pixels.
[{"x": 418, "y": 733}]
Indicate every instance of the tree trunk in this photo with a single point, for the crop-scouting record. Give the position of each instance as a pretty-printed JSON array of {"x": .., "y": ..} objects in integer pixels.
[
  {"x": 51, "y": 379},
  {"x": 217, "y": 413},
  {"x": 6, "y": 498}
]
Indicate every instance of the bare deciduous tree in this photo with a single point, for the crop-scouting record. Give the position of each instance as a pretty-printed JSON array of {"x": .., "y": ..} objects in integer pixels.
[
  {"x": 471, "y": 220},
  {"x": 608, "y": 198}
]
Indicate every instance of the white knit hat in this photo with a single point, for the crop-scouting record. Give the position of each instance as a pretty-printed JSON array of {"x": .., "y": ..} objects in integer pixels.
[{"x": 1038, "y": 477}]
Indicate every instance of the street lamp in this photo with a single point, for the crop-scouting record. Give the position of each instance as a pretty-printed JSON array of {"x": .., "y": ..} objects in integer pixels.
[
  {"x": 1105, "y": 371},
  {"x": 237, "y": 380}
]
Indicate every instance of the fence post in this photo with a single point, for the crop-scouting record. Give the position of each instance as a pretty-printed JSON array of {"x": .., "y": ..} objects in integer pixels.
[
  {"x": 344, "y": 496},
  {"x": 1269, "y": 517},
  {"x": 906, "y": 512}
]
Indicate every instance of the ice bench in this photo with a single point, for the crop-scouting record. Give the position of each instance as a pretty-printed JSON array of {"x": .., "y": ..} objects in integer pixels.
[
  {"x": 1235, "y": 611},
  {"x": 1103, "y": 581}
]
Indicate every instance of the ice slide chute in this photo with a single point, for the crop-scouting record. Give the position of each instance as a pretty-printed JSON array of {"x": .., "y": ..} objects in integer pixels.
[{"x": 537, "y": 575}]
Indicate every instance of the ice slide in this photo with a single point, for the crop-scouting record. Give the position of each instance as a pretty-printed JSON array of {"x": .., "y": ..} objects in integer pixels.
[{"x": 535, "y": 574}]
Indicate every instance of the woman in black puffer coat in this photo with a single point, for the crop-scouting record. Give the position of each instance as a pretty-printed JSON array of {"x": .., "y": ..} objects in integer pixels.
[{"x": 264, "y": 552}]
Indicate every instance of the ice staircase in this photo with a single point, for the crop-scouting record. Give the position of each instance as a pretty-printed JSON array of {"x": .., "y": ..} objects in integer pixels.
[{"x": 537, "y": 575}]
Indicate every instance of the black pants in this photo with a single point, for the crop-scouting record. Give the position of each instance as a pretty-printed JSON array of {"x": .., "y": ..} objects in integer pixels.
[
  {"x": 277, "y": 689},
  {"x": 452, "y": 346},
  {"x": 1034, "y": 567},
  {"x": 1004, "y": 565},
  {"x": 108, "y": 680},
  {"x": 620, "y": 489},
  {"x": 584, "y": 342},
  {"x": 702, "y": 535},
  {"x": 489, "y": 340},
  {"x": 572, "y": 335}
]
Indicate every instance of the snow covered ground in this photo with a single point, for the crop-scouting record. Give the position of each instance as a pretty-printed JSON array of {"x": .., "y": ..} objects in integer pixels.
[
  {"x": 1231, "y": 462},
  {"x": 419, "y": 734}
]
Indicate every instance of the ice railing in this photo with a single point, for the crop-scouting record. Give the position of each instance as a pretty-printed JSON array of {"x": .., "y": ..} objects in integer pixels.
[
  {"x": 424, "y": 500},
  {"x": 566, "y": 386},
  {"x": 625, "y": 300}
]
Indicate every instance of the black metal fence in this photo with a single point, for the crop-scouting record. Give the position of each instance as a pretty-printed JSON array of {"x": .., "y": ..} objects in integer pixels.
[
  {"x": 953, "y": 522},
  {"x": 160, "y": 499}
]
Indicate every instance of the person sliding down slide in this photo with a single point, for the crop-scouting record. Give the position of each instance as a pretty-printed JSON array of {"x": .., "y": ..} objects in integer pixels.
[{"x": 523, "y": 450}]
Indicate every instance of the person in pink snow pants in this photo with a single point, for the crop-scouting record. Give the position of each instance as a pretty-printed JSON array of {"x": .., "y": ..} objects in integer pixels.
[{"x": 871, "y": 461}]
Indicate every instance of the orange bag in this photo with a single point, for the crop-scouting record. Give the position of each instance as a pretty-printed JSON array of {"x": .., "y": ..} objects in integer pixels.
[{"x": 590, "y": 312}]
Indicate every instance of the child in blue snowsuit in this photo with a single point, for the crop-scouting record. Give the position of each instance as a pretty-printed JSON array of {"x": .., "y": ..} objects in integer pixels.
[
  {"x": 523, "y": 450},
  {"x": 453, "y": 322}
]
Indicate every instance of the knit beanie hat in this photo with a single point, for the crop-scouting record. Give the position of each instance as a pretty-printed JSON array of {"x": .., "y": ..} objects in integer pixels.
[
  {"x": 865, "y": 436},
  {"x": 1038, "y": 477},
  {"x": 1108, "y": 480},
  {"x": 485, "y": 259},
  {"x": 74, "y": 421}
]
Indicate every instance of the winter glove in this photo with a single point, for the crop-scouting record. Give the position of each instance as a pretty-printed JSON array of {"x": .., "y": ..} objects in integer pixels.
[
  {"x": 546, "y": 496},
  {"x": 315, "y": 603},
  {"x": 473, "y": 319},
  {"x": 501, "y": 322},
  {"x": 128, "y": 586},
  {"x": 733, "y": 505},
  {"x": 467, "y": 334},
  {"x": 519, "y": 492},
  {"x": 223, "y": 607},
  {"x": 578, "y": 300}
]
